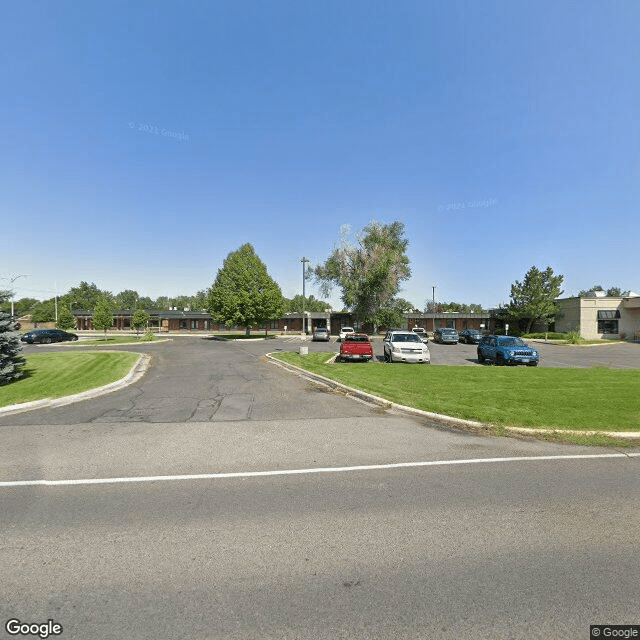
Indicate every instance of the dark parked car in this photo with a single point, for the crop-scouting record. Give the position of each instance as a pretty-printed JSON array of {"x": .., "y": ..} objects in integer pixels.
[
  {"x": 449, "y": 336},
  {"x": 470, "y": 336},
  {"x": 507, "y": 350},
  {"x": 47, "y": 336}
]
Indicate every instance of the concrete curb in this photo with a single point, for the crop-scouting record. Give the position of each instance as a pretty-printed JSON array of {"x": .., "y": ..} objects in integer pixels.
[
  {"x": 136, "y": 372},
  {"x": 437, "y": 417},
  {"x": 376, "y": 400}
]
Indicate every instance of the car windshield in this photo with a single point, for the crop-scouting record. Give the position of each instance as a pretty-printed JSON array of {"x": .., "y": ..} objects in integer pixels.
[
  {"x": 447, "y": 330},
  {"x": 511, "y": 342},
  {"x": 405, "y": 337}
]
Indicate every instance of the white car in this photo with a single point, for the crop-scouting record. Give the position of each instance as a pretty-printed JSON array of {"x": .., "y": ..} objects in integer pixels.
[
  {"x": 405, "y": 346},
  {"x": 345, "y": 331},
  {"x": 419, "y": 331}
]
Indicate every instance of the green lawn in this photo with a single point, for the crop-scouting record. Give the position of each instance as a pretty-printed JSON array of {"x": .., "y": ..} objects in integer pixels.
[
  {"x": 584, "y": 399},
  {"x": 53, "y": 375}
]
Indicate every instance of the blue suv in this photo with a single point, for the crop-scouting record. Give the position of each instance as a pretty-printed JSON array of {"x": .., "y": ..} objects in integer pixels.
[{"x": 507, "y": 350}]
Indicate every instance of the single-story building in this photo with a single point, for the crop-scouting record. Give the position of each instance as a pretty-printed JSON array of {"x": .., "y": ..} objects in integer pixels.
[
  {"x": 187, "y": 320},
  {"x": 600, "y": 316}
]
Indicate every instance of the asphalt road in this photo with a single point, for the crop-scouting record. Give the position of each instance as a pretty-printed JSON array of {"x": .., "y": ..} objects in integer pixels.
[{"x": 471, "y": 547}]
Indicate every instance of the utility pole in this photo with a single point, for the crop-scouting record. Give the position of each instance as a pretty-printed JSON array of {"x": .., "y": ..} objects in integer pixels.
[
  {"x": 304, "y": 263},
  {"x": 434, "y": 295}
]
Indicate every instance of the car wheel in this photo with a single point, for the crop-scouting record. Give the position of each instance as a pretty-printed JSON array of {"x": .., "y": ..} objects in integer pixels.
[
  {"x": 499, "y": 360},
  {"x": 481, "y": 358},
  {"x": 75, "y": 338},
  {"x": 46, "y": 340}
]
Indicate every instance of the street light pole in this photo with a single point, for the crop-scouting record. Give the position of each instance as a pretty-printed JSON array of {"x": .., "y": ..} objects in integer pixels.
[
  {"x": 12, "y": 280},
  {"x": 304, "y": 262}
]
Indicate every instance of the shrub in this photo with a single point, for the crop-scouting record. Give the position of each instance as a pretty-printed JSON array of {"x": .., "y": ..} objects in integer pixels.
[
  {"x": 148, "y": 336},
  {"x": 574, "y": 337}
]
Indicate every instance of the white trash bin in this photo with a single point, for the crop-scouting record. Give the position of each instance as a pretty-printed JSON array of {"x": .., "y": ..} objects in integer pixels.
[{"x": 304, "y": 351}]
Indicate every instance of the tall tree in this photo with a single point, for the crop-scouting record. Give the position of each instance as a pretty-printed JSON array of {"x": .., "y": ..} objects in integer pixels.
[
  {"x": 533, "y": 298},
  {"x": 11, "y": 362},
  {"x": 393, "y": 315},
  {"x": 295, "y": 305},
  {"x": 369, "y": 272},
  {"x": 20, "y": 307},
  {"x": 44, "y": 311},
  {"x": 613, "y": 292},
  {"x": 243, "y": 292},
  {"x": 85, "y": 296},
  {"x": 127, "y": 299},
  {"x": 102, "y": 318},
  {"x": 66, "y": 320}
]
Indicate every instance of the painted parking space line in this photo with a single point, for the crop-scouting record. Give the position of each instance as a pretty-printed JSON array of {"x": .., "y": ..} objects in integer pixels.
[{"x": 313, "y": 470}]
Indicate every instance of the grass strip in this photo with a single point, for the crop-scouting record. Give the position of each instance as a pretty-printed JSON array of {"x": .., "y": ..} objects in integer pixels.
[
  {"x": 53, "y": 375},
  {"x": 596, "y": 398}
]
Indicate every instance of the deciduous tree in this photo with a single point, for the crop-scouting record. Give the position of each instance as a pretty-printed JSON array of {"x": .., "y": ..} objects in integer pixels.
[
  {"x": 140, "y": 320},
  {"x": 310, "y": 304},
  {"x": 102, "y": 318},
  {"x": 533, "y": 298},
  {"x": 369, "y": 272},
  {"x": 243, "y": 293}
]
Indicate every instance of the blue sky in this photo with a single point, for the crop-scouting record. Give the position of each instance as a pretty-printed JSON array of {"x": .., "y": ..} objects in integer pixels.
[{"x": 142, "y": 142}]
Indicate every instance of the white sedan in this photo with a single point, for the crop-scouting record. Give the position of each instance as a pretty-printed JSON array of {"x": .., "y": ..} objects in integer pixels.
[
  {"x": 405, "y": 346},
  {"x": 345, "y": 331}
]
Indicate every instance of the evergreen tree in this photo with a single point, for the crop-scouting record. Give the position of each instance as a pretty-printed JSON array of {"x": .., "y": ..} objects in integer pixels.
[
  {"x": 533, "y": 298},
  {"x": 102, "y": 318},
  {"x": 11, "y": 361},
  {"x": 243, "y": 293}
]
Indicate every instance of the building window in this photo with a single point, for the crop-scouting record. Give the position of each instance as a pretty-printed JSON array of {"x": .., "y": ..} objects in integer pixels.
[
  {"x": 183, "y": 324},
  {"x": 608, "y": 321}
]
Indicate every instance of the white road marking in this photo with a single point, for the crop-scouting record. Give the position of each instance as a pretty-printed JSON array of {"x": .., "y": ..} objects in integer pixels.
[{"x": 291, "y": 472}]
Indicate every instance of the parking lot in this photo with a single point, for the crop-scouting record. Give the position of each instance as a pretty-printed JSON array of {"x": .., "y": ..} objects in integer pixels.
[{"x": 618, "y": 355}]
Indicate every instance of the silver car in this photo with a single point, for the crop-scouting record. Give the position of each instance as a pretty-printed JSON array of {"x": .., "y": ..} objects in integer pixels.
[
  {"x": 321, "y": 334},
  {"x": 405, "y": 346}
]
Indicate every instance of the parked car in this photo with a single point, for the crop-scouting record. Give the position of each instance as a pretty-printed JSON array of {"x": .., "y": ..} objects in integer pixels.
[
  {"x": 47, "y": 336},
  {"x": 445, "y": 336},
  {"x": 419, "y": 331},
  {"x": 345, "y": 331},
  {"x": 321, "y": 333},
  {"x": 355, "y": 346},
  {"x": 405, "y": 346},
  {"x": 507, "y": 350},
  {"x": 470, "y": 336}
]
